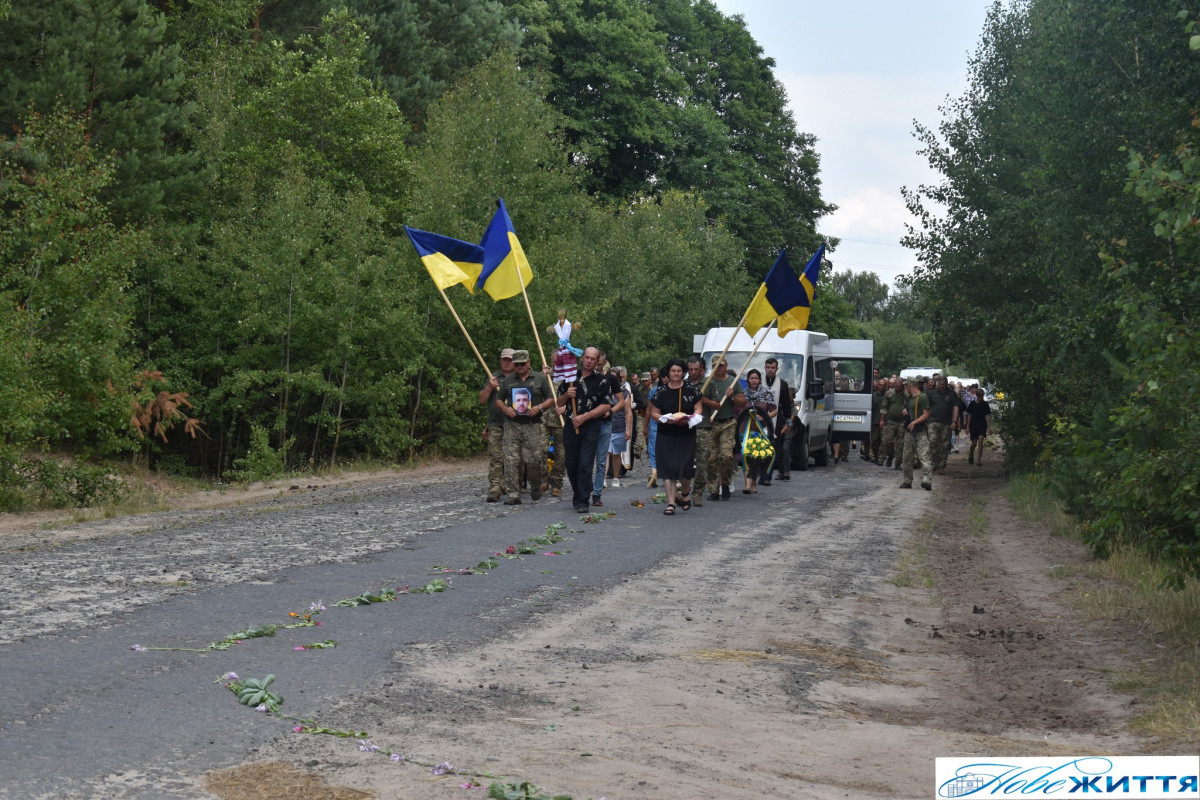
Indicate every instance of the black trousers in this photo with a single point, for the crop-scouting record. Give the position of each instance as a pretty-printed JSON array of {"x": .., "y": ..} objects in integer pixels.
[{"x": 581, "y": 459}]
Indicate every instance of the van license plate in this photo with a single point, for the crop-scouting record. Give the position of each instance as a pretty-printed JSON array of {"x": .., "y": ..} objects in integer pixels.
[{"x": 847, "y": 418}]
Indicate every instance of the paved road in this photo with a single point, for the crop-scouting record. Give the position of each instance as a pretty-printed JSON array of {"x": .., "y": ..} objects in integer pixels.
[{"x": 84, "y": 716}]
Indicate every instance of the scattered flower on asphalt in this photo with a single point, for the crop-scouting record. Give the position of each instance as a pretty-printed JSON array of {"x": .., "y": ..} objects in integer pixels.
[
  {"x": 443, "y": 768},
  {"x": 298, "y": 729},
  {"x": 262, "y": 707},
  {"x": 395, "y": 758},
  {"x": 138, "y": 648},
  {"x": 402, "y": 590},
  {"x": 369, "y": 747},
  {"x": 470, "y": 785},
  {"x": 229, "y": 676},
  {"x": 549, "y": 554},
  {"x": 511, "y": 550},
  {"x": 317, "y": 606},
  {"x": 299, "y": 648}
]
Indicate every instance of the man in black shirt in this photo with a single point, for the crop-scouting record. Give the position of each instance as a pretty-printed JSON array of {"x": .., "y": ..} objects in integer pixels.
[
  {"x": 584, "y": 402},
  {"x": 783, "y": 419}
]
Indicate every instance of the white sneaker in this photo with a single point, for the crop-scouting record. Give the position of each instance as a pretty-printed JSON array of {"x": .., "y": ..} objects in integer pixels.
[{"x": 616, "y": 484}]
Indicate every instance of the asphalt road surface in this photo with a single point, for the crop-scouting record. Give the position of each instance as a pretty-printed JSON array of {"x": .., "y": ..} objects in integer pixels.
[{"x": 83, "y": 715}]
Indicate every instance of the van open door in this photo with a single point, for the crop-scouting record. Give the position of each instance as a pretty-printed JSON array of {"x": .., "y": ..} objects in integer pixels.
[{"x": 853, "y": 374}]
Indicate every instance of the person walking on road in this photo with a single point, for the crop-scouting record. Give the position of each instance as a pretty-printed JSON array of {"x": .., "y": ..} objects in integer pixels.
[
  {"x": 495, "y": 426},
  {"x": 980, "y": 424},
  {"x": 695, "y": 376},
  {"x": 724, "y": 395},
  {"x": 673, "y": 408},
  {"x": 943, "y": 415},
  {"x": 583, "y": 402},
  {"x": 522, "y": 398},
  {"x": 916, "y": 436}
]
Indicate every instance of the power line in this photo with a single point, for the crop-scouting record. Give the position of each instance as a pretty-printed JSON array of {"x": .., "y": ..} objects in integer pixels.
[{"x": 866, "y": 241}]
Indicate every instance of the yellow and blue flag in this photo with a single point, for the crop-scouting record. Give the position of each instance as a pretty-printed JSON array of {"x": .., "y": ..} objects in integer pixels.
[
  {"x": 784, "y": 296},
  {"x": 449, "y": 261},
  {"x": 505, "y": 269}
]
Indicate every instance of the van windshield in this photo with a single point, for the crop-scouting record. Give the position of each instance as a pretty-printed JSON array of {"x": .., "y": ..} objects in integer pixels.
[
  {"x": 791, "y": 366},
  {"x": 850, "y": 375}
]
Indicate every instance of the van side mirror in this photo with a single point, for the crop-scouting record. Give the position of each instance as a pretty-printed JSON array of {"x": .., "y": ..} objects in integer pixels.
[{"x": 816, "y": 389}]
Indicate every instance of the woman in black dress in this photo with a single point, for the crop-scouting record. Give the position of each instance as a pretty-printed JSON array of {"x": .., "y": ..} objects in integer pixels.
[
  {"x": 980, "y": 424},
  {"x": 675, "y": 451}
]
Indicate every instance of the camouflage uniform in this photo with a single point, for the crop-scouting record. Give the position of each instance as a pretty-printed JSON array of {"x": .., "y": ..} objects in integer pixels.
[
  {"x": 703, "y": 448},
  {"x": 524, "y": 437},
  {"x": 917, "y": 444},
  {"x": 523, "y": 444},
  {"x": 495, "y": 452},
  {"x": 495, "y": 446},
  {"x": 893, "y": 431},
  {"x": 939, "y": 444},
  {"x": 941, "y": 414},
  {"x": 723, "y": 440},
  {"x": 876, "y": 431},
  {"x": 552, "y": 433}
]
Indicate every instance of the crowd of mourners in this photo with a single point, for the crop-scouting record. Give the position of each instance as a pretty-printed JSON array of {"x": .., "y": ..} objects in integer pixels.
[
  {"x": 588, "y": 424},
  {"x": 689, "y": 425},
  {"x": 917, "y": 424}
]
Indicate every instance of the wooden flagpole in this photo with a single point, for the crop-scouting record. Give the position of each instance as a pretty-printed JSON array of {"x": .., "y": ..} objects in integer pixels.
[
  {"x": 726, "y": 350},
  {"x": 538, "y": 338},
  {"x": 463, "y": 328},
  {"x": 766, "y": 331}
]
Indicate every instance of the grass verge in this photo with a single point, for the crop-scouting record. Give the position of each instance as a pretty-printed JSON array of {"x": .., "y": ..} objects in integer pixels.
[{"x": 1161, "y": 624}]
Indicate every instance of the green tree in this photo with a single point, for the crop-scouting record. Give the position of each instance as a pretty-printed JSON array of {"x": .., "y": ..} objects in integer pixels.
[
  {"x": 866, "y": 295},
  {"x": 108, "y": 62},
  {"x": 1033, "y": 187},
  {"x": 66, "y": 272},
  {"x": 1133, "y": 470},
  {"x": 314, "y": 103}
]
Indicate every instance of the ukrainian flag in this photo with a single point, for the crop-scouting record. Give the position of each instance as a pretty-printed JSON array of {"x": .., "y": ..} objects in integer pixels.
[
  {"x": 449, "y": 261},
  {"x": 784, "y": 296},
  {"x": 505, "y": 269}
]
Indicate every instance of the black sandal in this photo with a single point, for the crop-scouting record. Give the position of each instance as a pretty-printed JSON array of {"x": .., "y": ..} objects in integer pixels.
[
  {"x": 685, "y": 501},
  {"x": 669, "y": 510}
]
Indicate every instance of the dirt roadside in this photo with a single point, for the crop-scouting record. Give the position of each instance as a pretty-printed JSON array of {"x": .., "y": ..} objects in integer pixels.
[
  {"x": 48, "y": 528},
  {"x": 776, "y": 672}
]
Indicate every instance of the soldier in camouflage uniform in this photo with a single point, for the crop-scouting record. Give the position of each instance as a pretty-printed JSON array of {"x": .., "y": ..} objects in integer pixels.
[
  {"x": 495, "y": 427},
  {"x": 916, "y": 436},
  {"x": 724, "y": 394},
  {"x": 877, "y": 392},
  {"x": 522, "y": 397},
  {"x": 695, "y": 376},
  {"x": 943, "y": 413},
  {"x": 893, "y": 418}
]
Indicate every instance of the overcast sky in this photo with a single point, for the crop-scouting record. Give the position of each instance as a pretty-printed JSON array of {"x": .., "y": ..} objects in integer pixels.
[{"x": 857, "y": 75}]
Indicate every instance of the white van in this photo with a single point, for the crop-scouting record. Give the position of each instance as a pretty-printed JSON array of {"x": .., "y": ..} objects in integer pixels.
[
  {"x": 919, "y": 372},
  {"x": 806, "y": 363}
]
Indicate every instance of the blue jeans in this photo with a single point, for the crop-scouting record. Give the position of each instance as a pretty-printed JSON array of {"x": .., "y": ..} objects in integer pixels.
[
  {"x": 602, "y": 457},
  {"x": 581, "y": 450}
]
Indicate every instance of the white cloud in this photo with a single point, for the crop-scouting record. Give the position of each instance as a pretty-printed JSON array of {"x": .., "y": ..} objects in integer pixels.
[{"x": 869, "y": 213}]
